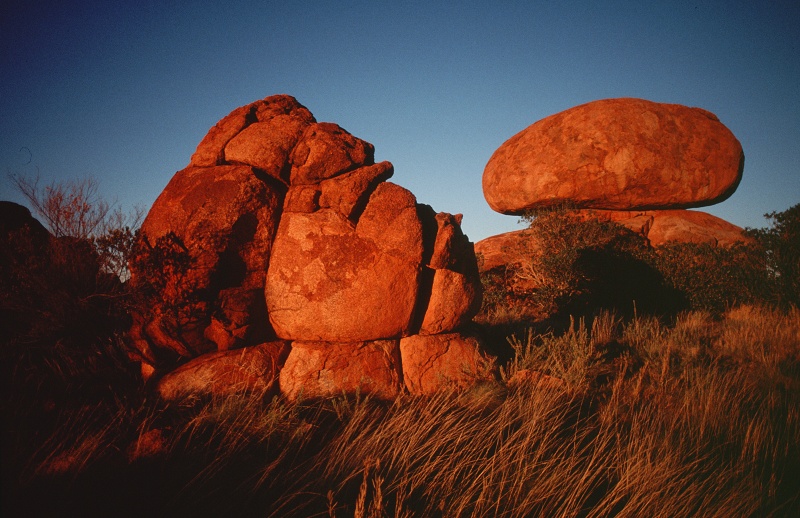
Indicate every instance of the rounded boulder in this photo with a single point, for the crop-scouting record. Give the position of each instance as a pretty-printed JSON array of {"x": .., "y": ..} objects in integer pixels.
[{"x": 618, "y": 154}]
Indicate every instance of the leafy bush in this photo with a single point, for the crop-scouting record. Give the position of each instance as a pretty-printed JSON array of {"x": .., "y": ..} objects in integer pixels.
[
  {"x": 780, "y": 243},
  {"x": 714, "y": 278},
  {"x": 580, "y": 265}
]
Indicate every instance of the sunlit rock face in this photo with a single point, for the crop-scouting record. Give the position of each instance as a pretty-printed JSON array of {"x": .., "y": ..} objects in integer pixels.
[
  {"x": 285, "y": 228},
  {"x": 661, "y": 227},
  {"x": 250, "y": 369},
  {"x": 444, "y": 361},
  {"x": 618, "y": 154},
  {"x": 329, "y": 369}
]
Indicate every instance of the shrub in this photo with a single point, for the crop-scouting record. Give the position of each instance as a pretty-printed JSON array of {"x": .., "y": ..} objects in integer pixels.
[
  {"x": 587, "y": 264},
  {"x": 780, "y": 243},
  {"x": 713, "y": 278}
]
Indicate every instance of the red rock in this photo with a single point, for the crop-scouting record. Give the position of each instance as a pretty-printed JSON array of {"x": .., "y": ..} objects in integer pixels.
[
  {"x": 687, "y": 226},
  {"x": 455, "y": 299},
  {"x": 510, "y": 249},
  {"x": 391, "y": 221},
  {"x": 675, "y": 226},
  {"x": 266, "y": 145},
  {"x": 326, "y": 150},
  {"x": 302, "y": 198},
  {"x": 455, "y": 292},
  {"x": 444, "y": 361},
  {"x": 328, "y": 282},
  {"x": 210, "y": 150},
  {"x": 348, "y": 194},
  {"x": 451, "y": 248},
  {"x": 250, "y": 369},
  {"x": 223, "y": 219},
  {"x": 616, "y": 154},
  {"x": 329, "y": 369}
]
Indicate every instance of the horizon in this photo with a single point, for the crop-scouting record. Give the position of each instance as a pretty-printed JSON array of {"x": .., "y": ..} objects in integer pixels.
[{"x": 125, "y": 93}]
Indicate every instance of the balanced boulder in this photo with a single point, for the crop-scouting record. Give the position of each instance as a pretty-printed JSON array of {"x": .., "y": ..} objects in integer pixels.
[{"x": 619, "y": 154}]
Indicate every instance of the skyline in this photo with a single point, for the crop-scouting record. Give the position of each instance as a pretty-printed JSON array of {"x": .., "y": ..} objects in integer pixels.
[{"x": 125, "y": 93}]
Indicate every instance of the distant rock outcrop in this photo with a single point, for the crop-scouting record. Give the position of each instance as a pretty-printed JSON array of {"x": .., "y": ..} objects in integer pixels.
[
  {"x": 285, "y": 228},
  {"x": 675, "y": 226},
  {"x": 618, "y": 154}
]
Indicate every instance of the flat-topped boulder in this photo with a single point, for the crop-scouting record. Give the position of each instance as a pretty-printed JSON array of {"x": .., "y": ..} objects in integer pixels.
[{"x": 617, "y": 154}]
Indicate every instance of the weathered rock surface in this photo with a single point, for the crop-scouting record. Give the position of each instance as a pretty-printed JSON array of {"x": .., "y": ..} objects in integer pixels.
[
  {"x": 325, "y": 369},
  {"x": 616, "y": 154},
  {"x": 331, "y": 280},
  {"x": 661, "y": 227},
  {"x": 285, "y": 227},
  {"x": 444, "y": 361},
  {"x": 509, "y": 249},
  {"x": 455, "y": 292},
  {"x": 221, "y": 221},
  {"x": 251, "y": 369}
]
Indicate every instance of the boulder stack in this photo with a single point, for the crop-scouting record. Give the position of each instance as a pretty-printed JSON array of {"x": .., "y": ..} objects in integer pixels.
[{"x": 285, "y": 229}]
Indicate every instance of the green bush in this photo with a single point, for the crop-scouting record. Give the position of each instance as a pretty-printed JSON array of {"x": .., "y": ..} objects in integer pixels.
[
  {"x": 714, "y": 278},
  {"x": 587, "y": 264},
  {"x": 780, "y": 243},
  {"x": 582, "y": 265}
]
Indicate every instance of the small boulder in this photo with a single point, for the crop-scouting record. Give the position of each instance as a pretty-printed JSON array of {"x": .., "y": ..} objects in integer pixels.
[
  {"x": 444, "y": 361},
  {"x": 250, "y": 369},
  {"x": 326, "y": 369}
]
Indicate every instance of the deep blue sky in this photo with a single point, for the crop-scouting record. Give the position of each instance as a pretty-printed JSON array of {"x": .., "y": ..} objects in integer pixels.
[{"x": 124, "y": 91}]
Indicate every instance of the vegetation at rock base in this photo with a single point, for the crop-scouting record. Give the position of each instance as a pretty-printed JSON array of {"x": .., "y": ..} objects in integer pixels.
[
  {"x": 580, "y": 265},
  {"x": 686, "y": 404}
]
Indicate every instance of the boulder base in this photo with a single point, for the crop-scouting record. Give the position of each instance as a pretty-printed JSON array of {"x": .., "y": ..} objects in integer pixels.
[
  {"x": 326, "y": 369},
  {"x": 251, "y": 369},
  {"x": 444, "y": 361}
]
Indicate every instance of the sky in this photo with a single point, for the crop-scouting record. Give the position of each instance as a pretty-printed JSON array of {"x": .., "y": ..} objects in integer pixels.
[{"x": 124, "y": 91}]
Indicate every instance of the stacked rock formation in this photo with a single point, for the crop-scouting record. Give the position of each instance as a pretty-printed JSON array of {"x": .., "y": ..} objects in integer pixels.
[
  {"x": 289, "y": 233},
  {"x": 633, "y": 161}
]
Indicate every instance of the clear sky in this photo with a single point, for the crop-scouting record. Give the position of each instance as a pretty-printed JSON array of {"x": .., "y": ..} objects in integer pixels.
[{"x": 124, "y": 90}]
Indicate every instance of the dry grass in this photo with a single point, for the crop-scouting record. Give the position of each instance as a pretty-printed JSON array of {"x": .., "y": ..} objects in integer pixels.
[{"x": 697, "y": 417}]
